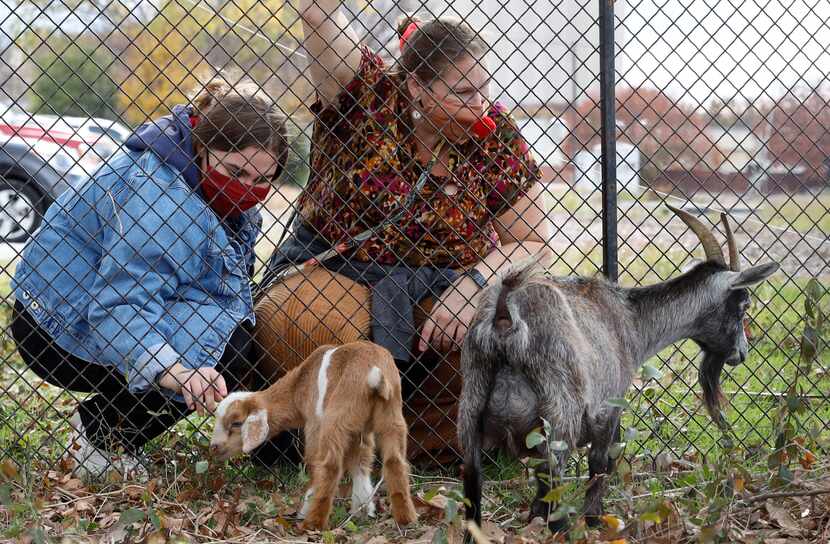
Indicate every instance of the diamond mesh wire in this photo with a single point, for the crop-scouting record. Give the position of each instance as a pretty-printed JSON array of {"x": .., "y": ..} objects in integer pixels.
[{"x": 721, "y": 109}]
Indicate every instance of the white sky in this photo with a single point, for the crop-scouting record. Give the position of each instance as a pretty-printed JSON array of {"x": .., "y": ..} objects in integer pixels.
[{"x": 724, "y": 47}]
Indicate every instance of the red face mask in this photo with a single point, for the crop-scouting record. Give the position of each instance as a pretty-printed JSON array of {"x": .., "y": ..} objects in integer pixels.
[
  {"x": 462, "y": 126},
  {"x": 228, "y": 196}
]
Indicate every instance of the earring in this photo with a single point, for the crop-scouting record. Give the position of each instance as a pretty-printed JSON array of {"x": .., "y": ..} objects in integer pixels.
[{"x": 416, "y": 113}]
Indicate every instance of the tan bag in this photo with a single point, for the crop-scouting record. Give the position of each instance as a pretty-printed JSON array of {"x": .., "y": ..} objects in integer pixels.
[{"x": 308, "y": 310}]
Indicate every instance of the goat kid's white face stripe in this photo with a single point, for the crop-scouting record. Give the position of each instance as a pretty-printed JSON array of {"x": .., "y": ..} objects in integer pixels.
[
  {"x": 219, "y": 430},
  {"x": 323, "y": 380}
]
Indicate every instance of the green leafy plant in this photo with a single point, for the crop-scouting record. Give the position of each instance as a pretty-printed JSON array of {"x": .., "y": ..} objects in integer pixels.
[{"x": 790, "y": 429}]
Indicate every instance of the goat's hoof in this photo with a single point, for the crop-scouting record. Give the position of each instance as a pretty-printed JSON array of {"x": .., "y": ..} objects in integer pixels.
[
  {"x": 539, "y": 509},
  {"x": 592, "y": 519},
  {"x": 558, "y": 525}
]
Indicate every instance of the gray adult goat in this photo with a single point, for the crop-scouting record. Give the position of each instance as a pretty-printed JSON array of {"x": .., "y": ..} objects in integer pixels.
[{"x": 559, "y": 348}]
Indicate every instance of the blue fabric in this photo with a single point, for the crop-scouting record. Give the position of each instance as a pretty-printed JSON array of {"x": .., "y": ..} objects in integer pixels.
[
  {"x": 170, "y": 139},
  {"x": 395, "y": 289},
  {"x": 132, "y": 269}
]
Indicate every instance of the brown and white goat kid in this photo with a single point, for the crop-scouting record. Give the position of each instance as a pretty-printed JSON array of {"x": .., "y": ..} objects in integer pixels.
[{"x": 344, "y": 397}]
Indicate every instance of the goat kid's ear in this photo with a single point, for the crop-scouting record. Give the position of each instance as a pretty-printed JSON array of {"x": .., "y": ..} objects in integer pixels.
[
  {"x": 254, "y": 430},
  {"x": 753, "y": 276}
]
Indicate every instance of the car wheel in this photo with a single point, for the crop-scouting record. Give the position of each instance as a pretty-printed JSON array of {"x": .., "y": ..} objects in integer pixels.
[{"x": 21, "y": 210}]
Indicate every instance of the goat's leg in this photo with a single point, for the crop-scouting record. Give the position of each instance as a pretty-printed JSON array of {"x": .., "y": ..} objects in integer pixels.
[
  {"x": 477, "y": 368},
  {"x": 549, "y": 474},
  {"x": 361, "y": 471},
  {"x": 546, "y": 479},
  {"x": 472, "y": 480},
  {"x": 392, "y": 441},
  {"x": 326, "y": 473},
  {"x": 604, "y": 432}
]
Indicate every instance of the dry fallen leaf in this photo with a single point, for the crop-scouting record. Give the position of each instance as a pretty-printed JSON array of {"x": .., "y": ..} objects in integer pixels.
[
  {"x": 134, "y": 491},
  {"x": 535, "y": 529},
  {"x": 781, "y": 516},
  {"x": 9, "y": 469},
  {"x": 739, "y": 484},
  {"x": 83, "y": 506},
  {"x": 72, "y": 484},
  {"x": 613, "y": 523},
  {"x": 807, "y": 460},
  {"x": 173, "y": 524},
  {"x": 438, "y": 501},
  {"x": 493, "y": 531}
]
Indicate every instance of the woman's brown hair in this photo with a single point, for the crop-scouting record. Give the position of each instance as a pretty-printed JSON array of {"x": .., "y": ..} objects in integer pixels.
[
  {"x": 232, "y": 119},
  {"x": 436, "y": 45}
]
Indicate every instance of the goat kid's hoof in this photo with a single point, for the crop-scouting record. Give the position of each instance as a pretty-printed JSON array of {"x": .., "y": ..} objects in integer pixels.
[
  {"x": 364, "y": 511},
  {"x": 405, "y": 518},
  {"x": 312, "y": 525}
]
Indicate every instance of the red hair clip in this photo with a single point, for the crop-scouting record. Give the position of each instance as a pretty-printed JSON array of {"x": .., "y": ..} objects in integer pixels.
[{"x": 408, "y": 32}]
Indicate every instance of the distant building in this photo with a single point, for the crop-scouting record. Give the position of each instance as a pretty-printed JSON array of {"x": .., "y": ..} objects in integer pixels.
[{"x": 739, "y": 147}]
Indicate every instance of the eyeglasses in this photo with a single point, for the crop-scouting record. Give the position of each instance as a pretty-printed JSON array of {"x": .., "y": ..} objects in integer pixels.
[{"x": 463, "y": 91}]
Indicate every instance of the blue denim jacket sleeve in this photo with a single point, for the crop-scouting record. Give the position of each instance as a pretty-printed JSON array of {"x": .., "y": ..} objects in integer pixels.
[{"x": 145, "y": 257}]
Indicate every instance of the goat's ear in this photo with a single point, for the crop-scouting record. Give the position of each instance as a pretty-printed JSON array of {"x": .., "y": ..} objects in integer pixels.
[
  {"x": 254, "y": 430},
  {"x": 753, "y": 276}
]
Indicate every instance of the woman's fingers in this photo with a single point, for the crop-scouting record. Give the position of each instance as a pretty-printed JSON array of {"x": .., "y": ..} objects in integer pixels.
[
  {"x": 447, "y": 336},
  {"x": 203, "y": 390},
  {"x": 209, "y": 399},
  {"x": 197, "y": 391},
  {"x": 188, "y": 398},
  {"x": 426, "y": 334},
  {"x": 220, "y": 389},
  {"x": 460, "y": 332}
]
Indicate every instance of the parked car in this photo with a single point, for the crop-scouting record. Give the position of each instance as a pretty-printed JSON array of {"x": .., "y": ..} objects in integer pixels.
[
  {"x": 90, "y": 141},
  {"x": 33, "y": 172},
  {"x": 91, "y": 127}
]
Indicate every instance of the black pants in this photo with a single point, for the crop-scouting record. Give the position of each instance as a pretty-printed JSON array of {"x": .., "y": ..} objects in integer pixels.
[{"x": 116, "y": 417}]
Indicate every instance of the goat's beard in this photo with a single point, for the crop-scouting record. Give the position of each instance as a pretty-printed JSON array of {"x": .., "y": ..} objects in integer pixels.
[{"x": 709, "y": 376}]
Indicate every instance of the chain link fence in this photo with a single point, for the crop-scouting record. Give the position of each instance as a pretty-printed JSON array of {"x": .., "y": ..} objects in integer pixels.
[{"x": 624, "y": 105}]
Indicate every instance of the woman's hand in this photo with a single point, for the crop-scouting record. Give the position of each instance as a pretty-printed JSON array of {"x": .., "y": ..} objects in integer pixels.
[
  {"x": 451, "y": 316},
  {"x": 203, "y": 388}
]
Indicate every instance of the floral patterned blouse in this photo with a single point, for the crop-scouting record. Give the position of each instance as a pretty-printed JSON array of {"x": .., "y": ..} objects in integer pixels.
[{"x": 363, "y": 167}]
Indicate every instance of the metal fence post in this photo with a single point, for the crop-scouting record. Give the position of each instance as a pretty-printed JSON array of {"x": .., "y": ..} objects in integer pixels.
[{"x": 608, "y": 140}]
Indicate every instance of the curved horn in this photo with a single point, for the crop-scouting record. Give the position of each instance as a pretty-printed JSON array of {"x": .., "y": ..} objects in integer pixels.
[
  {"x": 711, "y": 247},
  {"x": 734, "y": 260}
]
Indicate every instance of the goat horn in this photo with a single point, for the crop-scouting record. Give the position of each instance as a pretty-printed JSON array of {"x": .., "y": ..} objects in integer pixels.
[
  {"x": 711, "y": 247},
  {"x": 734, "y": 260}
]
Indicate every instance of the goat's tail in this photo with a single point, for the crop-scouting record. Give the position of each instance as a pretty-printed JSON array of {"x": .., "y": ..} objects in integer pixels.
[
  {"x": 498, "y": 318},
  {"x": 514, "y": 277},
  {"x": 378, "y": 385}
]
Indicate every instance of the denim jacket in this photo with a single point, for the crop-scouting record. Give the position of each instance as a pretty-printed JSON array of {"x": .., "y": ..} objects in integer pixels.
[{"x": 132, "y": 269}]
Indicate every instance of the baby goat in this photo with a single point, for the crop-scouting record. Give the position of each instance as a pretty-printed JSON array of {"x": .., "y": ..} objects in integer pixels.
[
  {"x": 343, "y": 397},
  {"x": 559, "y": 348}
]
